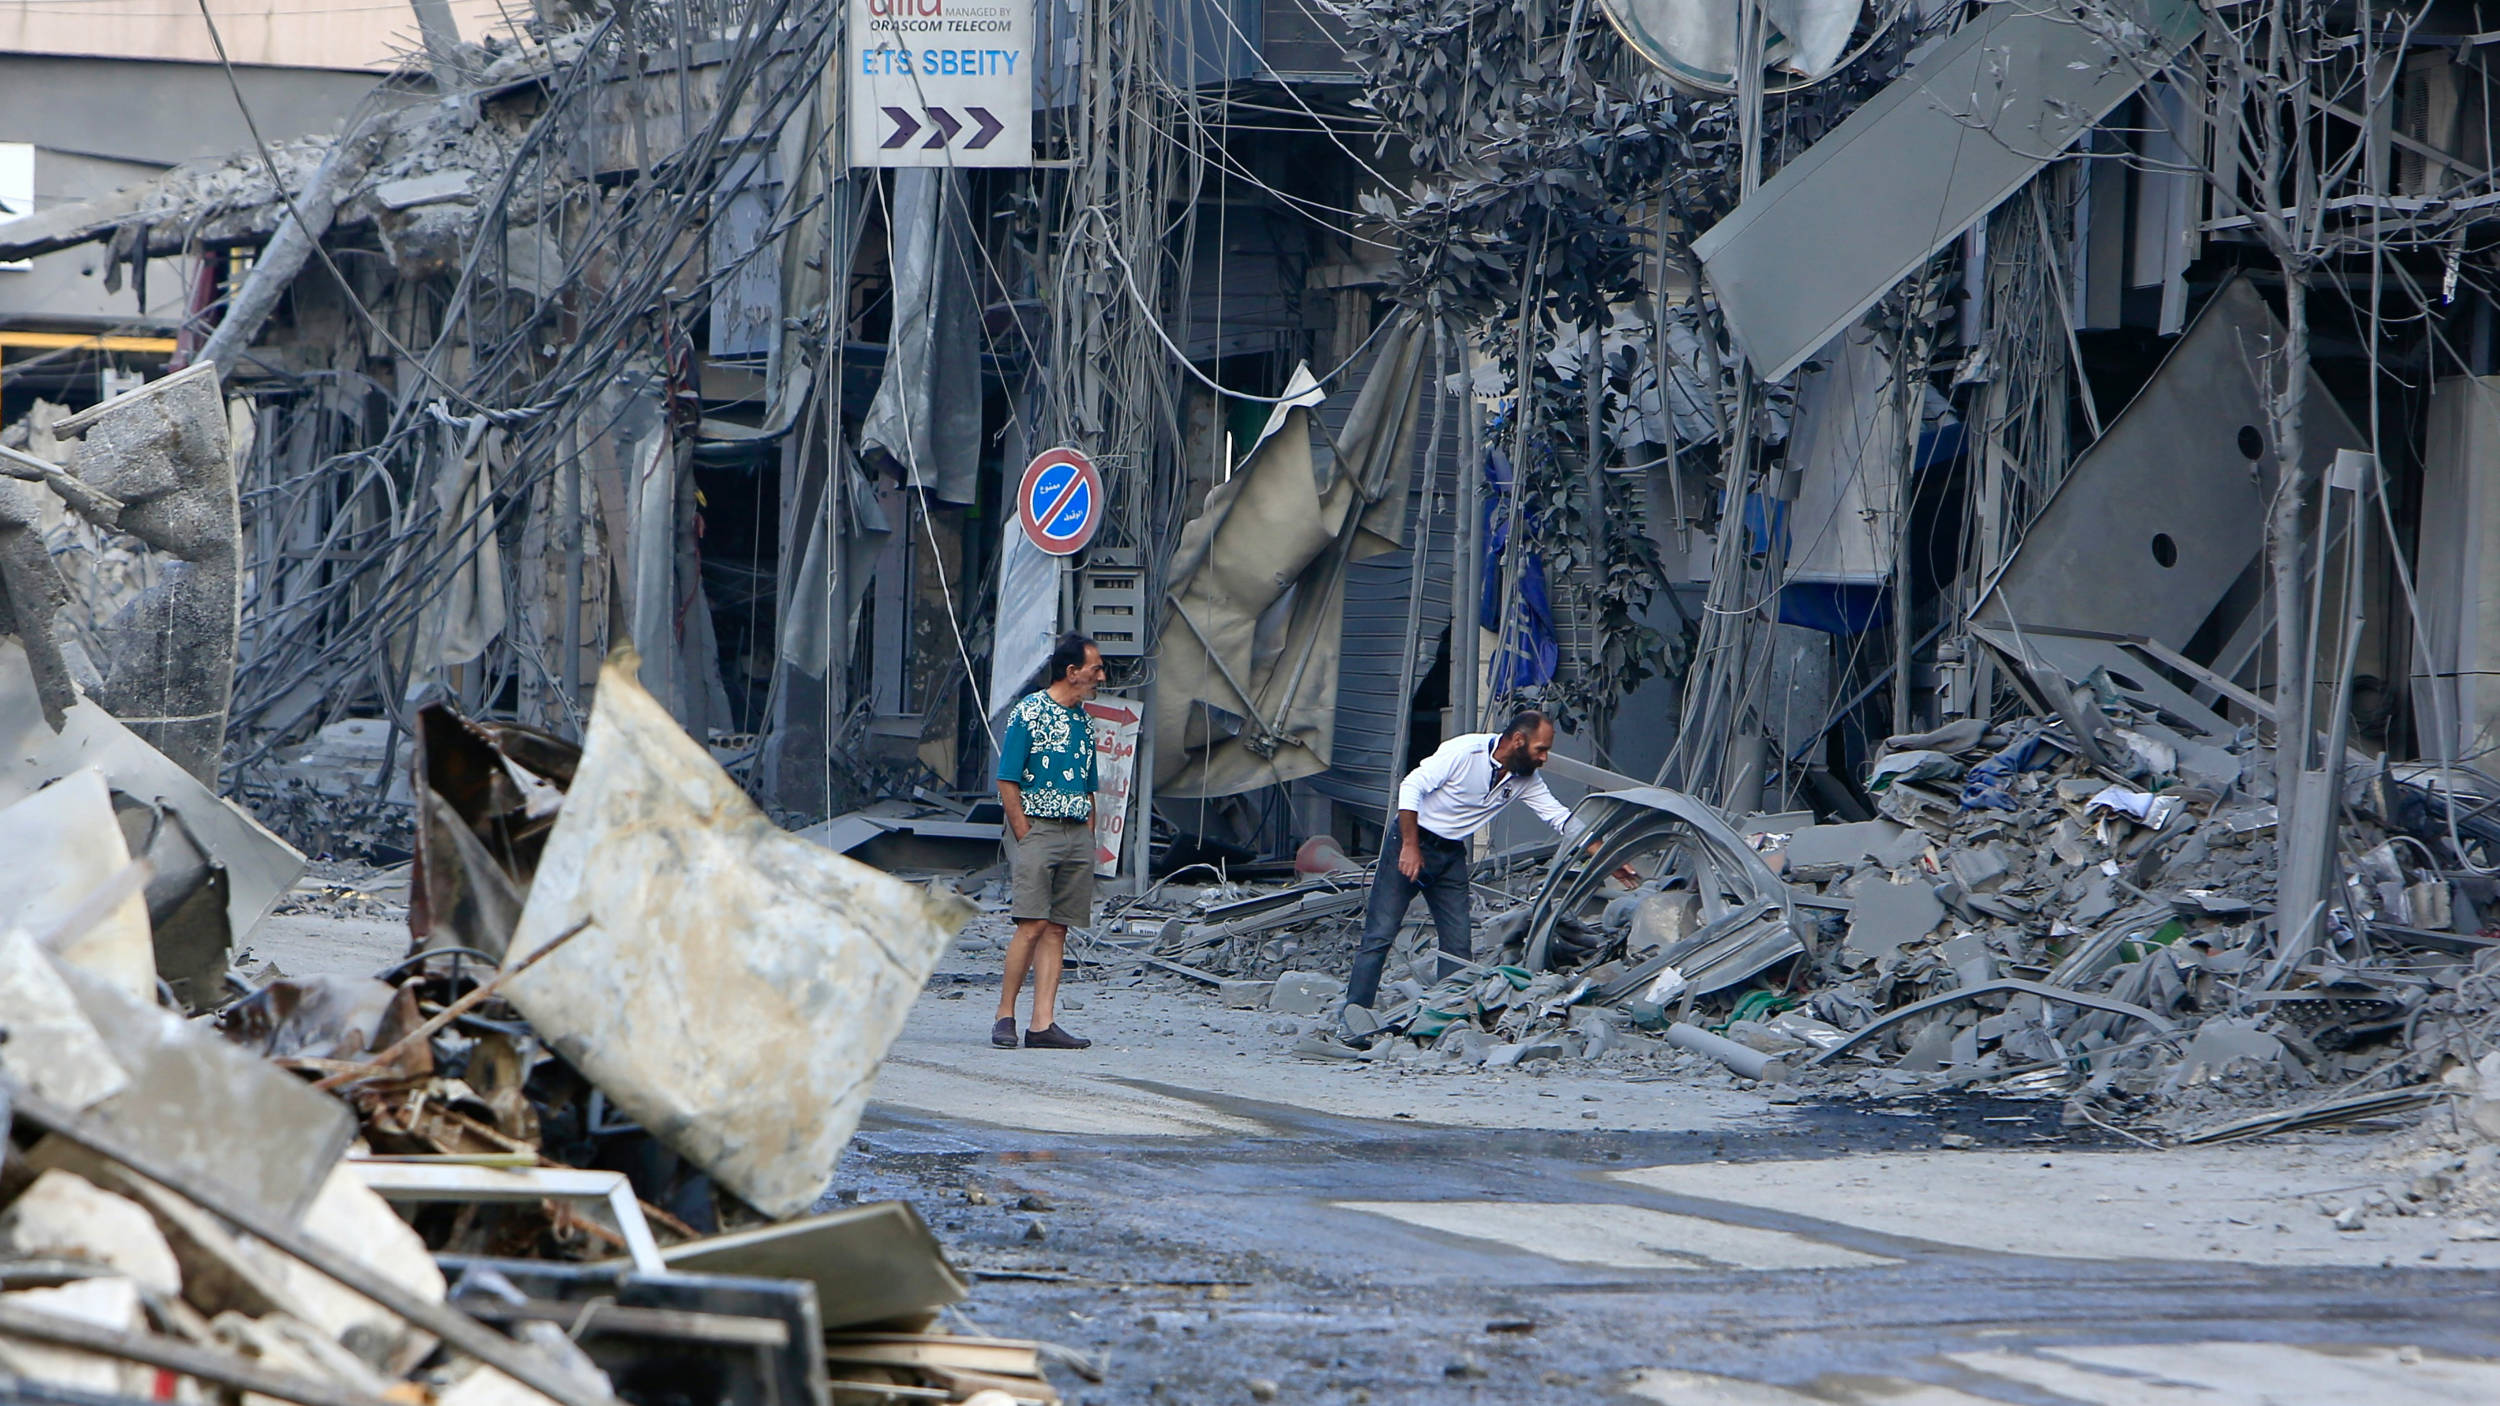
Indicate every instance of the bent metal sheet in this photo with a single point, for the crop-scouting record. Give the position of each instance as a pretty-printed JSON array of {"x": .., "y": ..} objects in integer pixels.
[{"x": 941, "y": 82}]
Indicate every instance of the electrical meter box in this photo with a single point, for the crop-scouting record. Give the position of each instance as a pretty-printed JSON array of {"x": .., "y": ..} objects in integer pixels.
[{"x": 1111, "y": 601}]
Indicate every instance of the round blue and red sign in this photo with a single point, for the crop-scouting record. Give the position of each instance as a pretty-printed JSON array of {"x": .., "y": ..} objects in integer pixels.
[{"x": 1060, "y": 501}]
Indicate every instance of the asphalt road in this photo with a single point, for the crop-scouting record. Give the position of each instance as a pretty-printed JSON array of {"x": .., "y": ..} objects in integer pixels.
[
  {"x": 1202, "y": 1217},
  {"x": 1238, "y": 1225}
]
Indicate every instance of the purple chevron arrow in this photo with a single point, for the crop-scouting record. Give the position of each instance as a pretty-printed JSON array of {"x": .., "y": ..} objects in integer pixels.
[
  {"x": 905, "y": 125},
  {"x": 990, "y": 128},
  {"x": 948, "y": 124}
]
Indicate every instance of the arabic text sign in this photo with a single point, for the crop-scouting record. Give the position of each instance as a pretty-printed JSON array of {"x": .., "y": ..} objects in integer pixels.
[
  {"x": 941, "y": 82},
  {"x": 1059, "y": 501},
  {"x": 1115, "y": 776}
]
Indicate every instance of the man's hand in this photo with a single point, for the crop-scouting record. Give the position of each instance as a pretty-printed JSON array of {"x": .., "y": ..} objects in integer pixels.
[
  {"x": 1011, "y": 800},
  {"x": 1630, "y": 876},
  {"x": 1411, "y": 860}
]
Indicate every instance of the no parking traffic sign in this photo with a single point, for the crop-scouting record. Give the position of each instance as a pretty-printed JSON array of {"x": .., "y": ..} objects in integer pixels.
[{"x": 1060, "y": 501}]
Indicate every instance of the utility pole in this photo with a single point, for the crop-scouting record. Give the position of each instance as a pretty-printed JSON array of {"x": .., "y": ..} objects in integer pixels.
[{"x": 1467, "y": 580}]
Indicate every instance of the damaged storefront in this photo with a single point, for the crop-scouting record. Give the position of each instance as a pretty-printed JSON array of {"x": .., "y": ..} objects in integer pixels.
[{"x": 1993, "y": 496}]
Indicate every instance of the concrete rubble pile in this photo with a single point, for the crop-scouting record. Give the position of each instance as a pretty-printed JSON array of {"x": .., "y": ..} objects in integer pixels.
[
  {"x": 412, "y": 171},
  {"x": 2028, "y": 912},
  {"x": 557, "y": 1171}
]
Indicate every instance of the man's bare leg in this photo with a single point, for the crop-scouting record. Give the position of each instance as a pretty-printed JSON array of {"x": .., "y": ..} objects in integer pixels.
[
  {"x": 1019, "y": 960},
  {"x": 1048, "y": 955}
]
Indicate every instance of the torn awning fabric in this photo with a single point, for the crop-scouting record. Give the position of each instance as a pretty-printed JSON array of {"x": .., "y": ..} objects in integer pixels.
[
  {"x": 924, "y": 427},
  {"x": 1246, "y": 689}
]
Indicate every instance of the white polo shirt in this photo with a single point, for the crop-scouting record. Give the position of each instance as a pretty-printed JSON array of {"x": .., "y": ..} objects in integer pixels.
[{"x": 1460, "y": 787}]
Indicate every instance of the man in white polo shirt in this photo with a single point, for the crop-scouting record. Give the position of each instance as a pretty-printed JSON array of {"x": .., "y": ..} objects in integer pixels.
[{"x": 1441, "y": 806}]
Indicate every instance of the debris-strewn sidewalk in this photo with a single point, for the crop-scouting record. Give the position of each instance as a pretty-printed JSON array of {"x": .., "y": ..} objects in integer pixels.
[{"x": 577, "y": 1155}]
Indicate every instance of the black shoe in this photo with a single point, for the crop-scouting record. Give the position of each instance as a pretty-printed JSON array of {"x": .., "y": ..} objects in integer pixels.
[
  {"x": 1003, "y": 1034},
  {"x": 1051, "y": 1037}
]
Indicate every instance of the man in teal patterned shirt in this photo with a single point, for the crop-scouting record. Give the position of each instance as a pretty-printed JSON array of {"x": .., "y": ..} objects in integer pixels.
[{"x": 1046, "y": 782}]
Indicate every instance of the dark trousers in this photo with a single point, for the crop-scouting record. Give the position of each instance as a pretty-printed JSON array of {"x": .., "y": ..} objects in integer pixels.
[{"x": 1444, "y": 887}]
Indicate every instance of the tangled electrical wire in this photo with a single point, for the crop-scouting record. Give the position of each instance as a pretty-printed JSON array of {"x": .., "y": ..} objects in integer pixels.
[{"x": 356, "y": 539}]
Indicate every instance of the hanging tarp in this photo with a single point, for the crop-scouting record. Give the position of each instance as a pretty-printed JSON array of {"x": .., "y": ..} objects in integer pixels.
[
  {"x": 1027, "y": 622},
  {"x": 1246, "y": 690},
  {"x": 813, "y": 614},
  {"x": 1531, "y": 654},
  {"x": 924, "y": 427},
  {"x": 642, "y": 470},
  {"x": 470, "y": 612}
]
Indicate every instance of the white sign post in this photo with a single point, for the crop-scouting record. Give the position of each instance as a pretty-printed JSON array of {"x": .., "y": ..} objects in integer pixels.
[
  {"x": 1116, "y": 722},
  {"x": 941, "y": 82}
]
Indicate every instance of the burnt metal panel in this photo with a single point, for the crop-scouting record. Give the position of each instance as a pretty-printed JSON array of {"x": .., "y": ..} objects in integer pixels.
[
  {"x": 2162, "y": 514},
  {"x": 1908, "y": 172},
  {"x": 746, "y": 301}
]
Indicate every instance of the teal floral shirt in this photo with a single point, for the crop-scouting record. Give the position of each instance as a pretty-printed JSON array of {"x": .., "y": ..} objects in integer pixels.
[{"x": 1049, "y": 752}]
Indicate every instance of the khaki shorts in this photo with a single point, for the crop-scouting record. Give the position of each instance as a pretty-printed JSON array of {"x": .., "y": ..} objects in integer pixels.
[{"x": 1051, "y": 873}]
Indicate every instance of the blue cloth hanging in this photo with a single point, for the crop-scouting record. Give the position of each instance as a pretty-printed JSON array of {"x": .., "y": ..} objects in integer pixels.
[{"x": 1532, "y": 655}]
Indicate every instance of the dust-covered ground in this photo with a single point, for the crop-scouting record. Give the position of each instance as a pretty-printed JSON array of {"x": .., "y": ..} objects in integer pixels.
[{"x": 1200, "y": 1215}]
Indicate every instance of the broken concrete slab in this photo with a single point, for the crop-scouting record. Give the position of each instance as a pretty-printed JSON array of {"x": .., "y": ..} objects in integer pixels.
[
  {"x": 1886, "y": 915},
  {"x": 259, "y": 867},
  {"x": 111, "y": 1303},
  {"x": 1979, "y": 866},
  {"x": 1305, "y": 993},
  {"x": 191, "y": 1095},
  {"x": 2098, "y": 901},
  {"x": 1316, "y": 1045},
  {"x": 1360, "y": 1021},
  {"x": 53, "y": 1048},
  {"x": 1465, "y": 1043},
  {"x": 349, "y": 1215},
  {"x": 1929, "y": 1050},
  {"x": 1519, "y": 1052},
  {"x": 167, "y": 452},
  {"x": 65, "y": 1216},
  {"x": 226, "y": 1270},
  {"x": 735, "y": 986},
  {"x": 2220, "y": 1043},
  {"x": 451, "y": 183},
  {"x": 1969, "y": 957},
  {"x": 1822, "y": 852},
  {"x": 1243, "y": 995},
  {"x": 218, "y": 1274},
  {"x": 65, "y": 838}
]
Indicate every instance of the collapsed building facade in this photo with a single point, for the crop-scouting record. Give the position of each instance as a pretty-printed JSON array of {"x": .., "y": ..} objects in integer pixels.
[{"x": 1772, "y": 395}]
